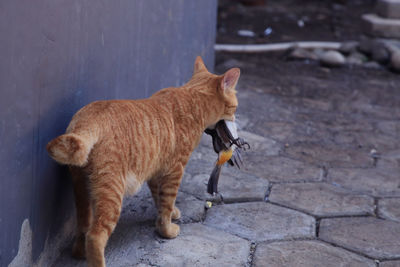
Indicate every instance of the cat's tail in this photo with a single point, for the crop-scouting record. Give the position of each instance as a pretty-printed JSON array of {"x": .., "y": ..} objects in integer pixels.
[{"x": 71, "y": 148}]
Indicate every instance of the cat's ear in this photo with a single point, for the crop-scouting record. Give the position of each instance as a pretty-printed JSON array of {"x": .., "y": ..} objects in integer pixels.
[
  {"x": 199, "y": 65},
  {"x": 229, "y": 80}
]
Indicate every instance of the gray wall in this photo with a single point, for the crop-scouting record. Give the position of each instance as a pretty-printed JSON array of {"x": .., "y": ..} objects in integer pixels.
[{"x": 58, "y": 55}]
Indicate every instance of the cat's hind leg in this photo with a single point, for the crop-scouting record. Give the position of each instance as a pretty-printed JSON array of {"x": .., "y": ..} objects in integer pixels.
[
  {"x": 107, "y": 191},
  {"x": 83, "y": 210},
  {"x": 154, "y": 189},
  {"x": 168, "y": 190}
]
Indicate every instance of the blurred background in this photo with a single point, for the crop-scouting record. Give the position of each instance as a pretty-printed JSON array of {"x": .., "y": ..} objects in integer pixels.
[{"x": 319, "y": 100}]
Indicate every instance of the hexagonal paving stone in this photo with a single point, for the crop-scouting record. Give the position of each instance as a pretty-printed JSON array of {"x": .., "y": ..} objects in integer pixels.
[
  {"x": 280, "y": 131},
  {"x": 332, "y": 156},
  {"x": 196, "y": 245},
  {"x": 281, "y": 169},
  {"x": 321, "y": 199},
  {"x": 389, "y": 264},
  {"x": 203, "y": 158},
  {"x": 258, "y": 143},
  {"x": 234, "y": 186},
  {"x": 376, "y": 238},
  {"x": 199, "y": 164},
  {"x": 261, "y": 221},
  {"x": 140, "y": 207},
  {"x": 293, "y": 132},
  {"x": 199, "y": 245},
  {"x": 305, "y": 254},
  {"x": 192, "y": 209},
  {"x": 389, "y": 127},
  {"x": 390, "y": 164},
  {"x": 377, "y": 182},
  {"x": 257, "y": 107},
  {"x": 128, "y": 243},
  {"x": 367, "y": 141},
  {"x": 389, "y": 208}
]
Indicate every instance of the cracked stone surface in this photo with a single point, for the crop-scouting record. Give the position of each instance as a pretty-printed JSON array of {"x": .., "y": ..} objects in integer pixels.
[
  {"x": 331, "y": 156},
  {"x": 141, "y": 208},
  {"x": 258, "y": 143},
  {"x": 367, "y": 141},
  {"x": 376, "y": 238},
  {"x": 197, "y": 245},
  {"x": 266, "y": 222},
  {"x": 200, "y": 245},
  {"x": 389, "y": 208},
  {"x": 305, "y": 254},
  {"x": 389, "y": 264},
  {"x": 377, "y": 182},
  {"x": 281, "y": 169},
  {"x": 234, "y": 186},
  {"x": 389, "y": 127},
  {"x": 321, "y": 199},
  {"x": 126, "y": 246}
]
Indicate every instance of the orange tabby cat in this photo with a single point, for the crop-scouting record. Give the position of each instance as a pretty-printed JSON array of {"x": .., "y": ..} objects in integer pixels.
[{"x": 113, "y": 147}]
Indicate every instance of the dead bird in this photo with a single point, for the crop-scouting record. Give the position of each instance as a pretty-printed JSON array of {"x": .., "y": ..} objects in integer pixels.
[{"x": 227, "y": 145}]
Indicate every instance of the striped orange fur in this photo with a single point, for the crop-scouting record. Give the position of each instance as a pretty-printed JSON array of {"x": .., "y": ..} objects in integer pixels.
[{"x": 113, "y": 147}]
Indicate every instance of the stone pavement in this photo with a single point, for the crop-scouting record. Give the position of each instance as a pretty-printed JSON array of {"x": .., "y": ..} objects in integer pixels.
[{"x": 321, "y": 185}]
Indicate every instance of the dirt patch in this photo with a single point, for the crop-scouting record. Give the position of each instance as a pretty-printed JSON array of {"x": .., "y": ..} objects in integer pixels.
[{"x": 292, "y": 20}]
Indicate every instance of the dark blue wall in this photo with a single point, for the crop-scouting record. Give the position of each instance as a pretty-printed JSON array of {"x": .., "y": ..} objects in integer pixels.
[{"x": 58, "y": 55}]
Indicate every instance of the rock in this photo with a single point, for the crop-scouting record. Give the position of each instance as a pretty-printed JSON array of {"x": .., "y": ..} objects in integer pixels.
[
  {"x": 233, "y": 63},
  {"x": 389, "y": 208},
  {"x": 379, "y": 239},
  {"x": 380, "y": 54},
  {"x": 395, "y": 61},
  {"x": 390, "y": 44},
  {"x": 306, "y": 253},
  {"x": 372, "y": 65},
  {"x": 365, "y": 46},
  {"x": 381, "y": 27},
  {"x": 332, "y": 59},
  {"x": 260, "y": 221},
  {"x": 319, "y": 52},
  {"x": 246, "y": 33},
  {"x": 301, "y": 53},
  {"x": 377, "y": 182},
  {"x": 321, "y": 199},
  {"x": 356, "y": 58},
  {"x": 388, "y": 8},
  {"x": 348, "y": 47}
]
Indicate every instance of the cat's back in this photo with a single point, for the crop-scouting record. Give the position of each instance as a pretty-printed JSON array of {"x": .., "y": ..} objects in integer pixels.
[{"x": 111, "y": 112}]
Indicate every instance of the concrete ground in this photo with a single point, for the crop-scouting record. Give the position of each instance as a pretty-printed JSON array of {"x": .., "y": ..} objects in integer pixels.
[{"x": 320, "y": 187}]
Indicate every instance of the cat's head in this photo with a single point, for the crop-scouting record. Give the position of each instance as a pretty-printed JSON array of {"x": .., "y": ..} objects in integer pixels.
[{"x": 223, "y": 87}]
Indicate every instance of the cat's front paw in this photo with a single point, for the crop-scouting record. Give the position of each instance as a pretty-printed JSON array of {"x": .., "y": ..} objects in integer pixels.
[
  {"x": 168, "y": 231},
  {"x": 176, "y": 214}
]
